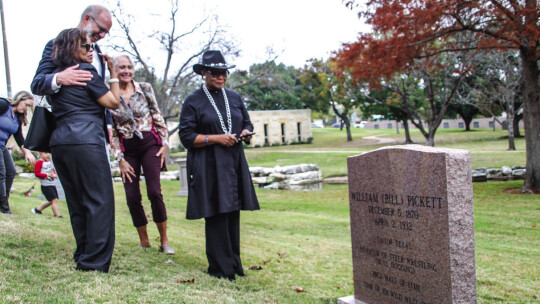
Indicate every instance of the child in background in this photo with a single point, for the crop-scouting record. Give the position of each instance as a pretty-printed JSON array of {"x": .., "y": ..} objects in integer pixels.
[{"x": 44, "y": 170}]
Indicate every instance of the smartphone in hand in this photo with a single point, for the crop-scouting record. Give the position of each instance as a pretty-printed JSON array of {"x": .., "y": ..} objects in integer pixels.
[{"x": 244, "y": 137}]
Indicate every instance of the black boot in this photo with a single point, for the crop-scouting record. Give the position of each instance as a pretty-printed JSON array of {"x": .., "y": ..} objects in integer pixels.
[{"x": 4, "y": 205}]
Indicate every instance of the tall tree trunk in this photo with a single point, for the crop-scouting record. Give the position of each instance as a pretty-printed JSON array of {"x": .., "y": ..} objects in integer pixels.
[
  {"x": 511, "y": 142},
  {"x": 531, "y": 119},
  {"x": 467, "y": 113},
  {"x": 397, "y": 126},
  {"x": 467, "y": 124},
  {"x": 430, "y": 140},
  {"x": 430, "y": 135},
  {"x": 517, "y": 119},
  {"x": 347, "y": 123},
  {"x": 408, "y": 139},
  {"x": 344, "y": 120}
]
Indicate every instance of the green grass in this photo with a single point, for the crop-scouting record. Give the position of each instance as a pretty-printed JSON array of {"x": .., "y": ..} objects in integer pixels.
[{"x": 298, "y": 238}]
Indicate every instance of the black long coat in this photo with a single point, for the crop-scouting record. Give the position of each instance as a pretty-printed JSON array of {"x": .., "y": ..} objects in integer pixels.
[{"x": 218, "y": 176}]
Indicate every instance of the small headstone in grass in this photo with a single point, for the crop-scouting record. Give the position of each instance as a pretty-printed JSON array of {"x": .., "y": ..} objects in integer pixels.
[{"x": 412, "y": 226}]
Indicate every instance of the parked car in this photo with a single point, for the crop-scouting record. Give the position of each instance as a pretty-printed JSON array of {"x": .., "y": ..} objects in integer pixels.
[
  {"x": 316, "y": 125},
  {"x": 336, "y": 125},
  {"x": 361, "y": 124}
]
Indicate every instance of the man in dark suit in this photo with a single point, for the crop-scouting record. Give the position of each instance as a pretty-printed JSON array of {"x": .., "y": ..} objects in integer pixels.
[
  {"x": 94, "y": 248},
  {"x": 96, "y": 21}
]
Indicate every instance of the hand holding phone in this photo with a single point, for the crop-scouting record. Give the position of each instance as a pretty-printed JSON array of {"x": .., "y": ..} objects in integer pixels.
[{"x": 244, "y": 137}]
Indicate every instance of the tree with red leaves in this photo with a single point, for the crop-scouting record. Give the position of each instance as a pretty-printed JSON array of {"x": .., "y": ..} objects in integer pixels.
[{"x": 404, "y": 30}]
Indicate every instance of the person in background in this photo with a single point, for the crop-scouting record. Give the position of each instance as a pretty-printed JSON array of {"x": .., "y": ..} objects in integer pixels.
[
  {"x": 13, "y": 115},
  {"x": 212, "y": 122},
  {"x": 79, "y": 151},
  {"x": 44, "y": 170},
  {"x": 140, "y": 139}
]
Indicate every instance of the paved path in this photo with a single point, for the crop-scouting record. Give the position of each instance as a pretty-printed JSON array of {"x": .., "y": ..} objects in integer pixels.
[{"x": 381, "y": 140}]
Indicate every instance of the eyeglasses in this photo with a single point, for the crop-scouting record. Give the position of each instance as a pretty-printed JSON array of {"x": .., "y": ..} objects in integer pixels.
[
  {"x": 88, "y": 46},
  {"x": 217, "y": 73},
  {"x": 101, "y": 28}
]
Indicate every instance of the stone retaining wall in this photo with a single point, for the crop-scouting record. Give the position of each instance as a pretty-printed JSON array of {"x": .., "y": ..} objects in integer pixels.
[
  {"x": 296, "y": 177},
  {"x": 505, "y": 173}
]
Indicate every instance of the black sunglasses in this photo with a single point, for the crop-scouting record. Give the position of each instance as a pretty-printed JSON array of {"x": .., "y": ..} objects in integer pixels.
[
  {"x": 88, "y": 46},
  {"x": 217, "y": 73}
]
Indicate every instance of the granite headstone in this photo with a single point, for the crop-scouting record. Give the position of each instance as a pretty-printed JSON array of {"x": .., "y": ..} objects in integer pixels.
[
  {"x": 182, "y": 174},
  {"x": 412, "y": 226}
]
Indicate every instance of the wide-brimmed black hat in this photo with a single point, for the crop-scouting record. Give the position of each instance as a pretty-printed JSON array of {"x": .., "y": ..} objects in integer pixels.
[{"x": 212, "y": 60}]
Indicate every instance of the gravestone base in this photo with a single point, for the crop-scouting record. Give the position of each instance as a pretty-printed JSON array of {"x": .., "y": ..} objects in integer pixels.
[{"x": 350, "y": 300}]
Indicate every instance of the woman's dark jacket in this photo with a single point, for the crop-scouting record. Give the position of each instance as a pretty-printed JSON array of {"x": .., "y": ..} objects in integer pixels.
[{"x": 79, "y": 117}]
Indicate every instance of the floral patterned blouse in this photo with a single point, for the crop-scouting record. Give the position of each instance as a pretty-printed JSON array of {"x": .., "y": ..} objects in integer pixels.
[{"x": 142, "y": 114}]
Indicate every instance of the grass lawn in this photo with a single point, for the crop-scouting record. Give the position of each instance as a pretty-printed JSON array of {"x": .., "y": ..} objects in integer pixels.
[{"x": 299, "y": 239}]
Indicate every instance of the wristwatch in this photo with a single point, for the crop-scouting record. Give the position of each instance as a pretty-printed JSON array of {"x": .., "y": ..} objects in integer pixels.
[{"x": 119, "y": 158}]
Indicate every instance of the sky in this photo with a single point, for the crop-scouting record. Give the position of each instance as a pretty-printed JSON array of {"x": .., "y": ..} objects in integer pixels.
[{"x": 296, "y": 30}]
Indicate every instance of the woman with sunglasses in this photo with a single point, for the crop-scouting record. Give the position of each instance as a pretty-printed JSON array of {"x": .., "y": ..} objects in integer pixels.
[
  {"x": 213, "y": 122},
  {"x": 78, "y": 147},
  {"x": 140, "y": 139},
  {"x": 13, "y": 115}
]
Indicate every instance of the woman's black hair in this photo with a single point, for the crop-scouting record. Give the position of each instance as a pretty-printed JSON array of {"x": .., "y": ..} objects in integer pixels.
[{"x": 66, "y": 45}]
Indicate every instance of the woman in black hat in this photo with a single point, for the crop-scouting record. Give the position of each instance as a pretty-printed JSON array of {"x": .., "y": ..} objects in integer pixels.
[{"x": 213, "y": 122}]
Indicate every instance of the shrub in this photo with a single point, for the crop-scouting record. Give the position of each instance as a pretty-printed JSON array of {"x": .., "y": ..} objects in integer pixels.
[
  {"x": 28, "y": 168},
  {"x": 17, "y": 155}
]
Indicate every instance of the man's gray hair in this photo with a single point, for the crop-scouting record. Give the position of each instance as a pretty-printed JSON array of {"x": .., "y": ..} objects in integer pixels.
[{"x": 94, "y": 10}]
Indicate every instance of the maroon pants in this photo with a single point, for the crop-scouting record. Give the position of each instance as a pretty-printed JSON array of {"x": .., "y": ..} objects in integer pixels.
[{"x": 142, "y": 152}]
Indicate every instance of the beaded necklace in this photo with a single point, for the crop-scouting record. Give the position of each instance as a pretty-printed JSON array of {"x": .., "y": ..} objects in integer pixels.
[{"x": 225, "y": 130}]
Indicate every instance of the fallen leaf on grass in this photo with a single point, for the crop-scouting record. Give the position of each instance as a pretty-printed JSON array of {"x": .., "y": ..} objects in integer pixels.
[
  {"x": 534, "y": 225},
  {"x": 169, "y": 262},
  {"x": 266, "y": 262},
  {"x": 298, "y": 289},
  {"x": 190, "y": 281},
  {"x": 256, "y": 267},
  {"x": 282, "y": 255}
]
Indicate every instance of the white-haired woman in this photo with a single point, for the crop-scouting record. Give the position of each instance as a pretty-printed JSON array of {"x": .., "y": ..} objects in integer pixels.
[{"x": 140, "y": 140}]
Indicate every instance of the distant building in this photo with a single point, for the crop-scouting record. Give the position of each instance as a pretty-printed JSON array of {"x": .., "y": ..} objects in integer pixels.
[
  {"x": 280, "y": 127},
  {"x": 476, "y": 123}
]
